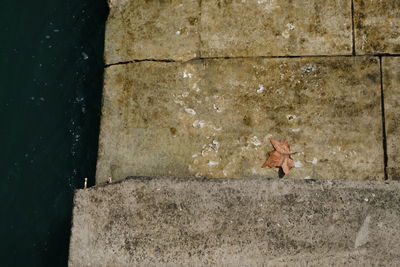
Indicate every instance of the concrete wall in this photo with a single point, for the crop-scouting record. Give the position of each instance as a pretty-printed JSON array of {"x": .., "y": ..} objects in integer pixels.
[{"x": 196, "y": 88}]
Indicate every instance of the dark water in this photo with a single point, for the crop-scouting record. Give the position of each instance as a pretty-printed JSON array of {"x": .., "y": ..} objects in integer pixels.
[{"x": 51, "y": 71}]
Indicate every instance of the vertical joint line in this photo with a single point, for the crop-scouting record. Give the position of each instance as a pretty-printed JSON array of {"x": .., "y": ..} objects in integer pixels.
[
  {"x": 384, "y": 140},
  {"x": 353, "y": 36},
  {"x": 199, "y": 29}
]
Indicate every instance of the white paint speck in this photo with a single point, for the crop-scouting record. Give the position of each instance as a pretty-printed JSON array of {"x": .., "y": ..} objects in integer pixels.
[
  {"x": 298, "y": 164},
  {"x": 196, "y": 87},
  {"x": 178, "y": 32},
  {"x": 254, "y": 140},
  {"x": 296, "y": 130},
  {"x": 307, "y": 178},
  {"x": 187, "y": 74},
  {"x": 214, "y": 146},
  {"x": 195, "y": 155},
  {"x": 291, "y": 117},
  {"x": 308, "y": 68},
  {"x": 190, "y": 111},
  {"x": 185, "y": 94},
  {"x": 290, "y": 26},
  {"x": 212, "y": 163},
  {"x": 217, "y": 109},
  {"x": 261, "y": 88},
  {"x": 314, "y": 161},
  {"x": 198, "y": 124},
  {"x": 179, "y": 102}
]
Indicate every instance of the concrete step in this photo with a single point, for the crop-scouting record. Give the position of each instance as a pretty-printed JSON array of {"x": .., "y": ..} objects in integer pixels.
[{"x": 237, "y": 222}]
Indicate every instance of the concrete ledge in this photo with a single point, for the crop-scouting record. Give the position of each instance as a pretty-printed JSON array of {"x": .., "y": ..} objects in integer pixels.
[{"x": 236, "y": 222}]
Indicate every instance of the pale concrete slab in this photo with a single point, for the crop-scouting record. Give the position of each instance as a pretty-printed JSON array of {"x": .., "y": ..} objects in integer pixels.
[
  {"x": 237, "y": 222},
  {"x": 213, "y": 118},
  {"x": 391, "y": 87},
  {"x": 377, "y": 26},
  {"x": 275, "y": 28},
  {"x": 142, "y": 29}
]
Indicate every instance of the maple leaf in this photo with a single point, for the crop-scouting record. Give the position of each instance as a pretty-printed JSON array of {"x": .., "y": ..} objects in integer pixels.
[{"x": 280, "y": 157}]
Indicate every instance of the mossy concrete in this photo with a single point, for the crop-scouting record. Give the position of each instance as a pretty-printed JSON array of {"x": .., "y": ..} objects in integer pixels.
[
  {"x": 237, "y": 222},
  {"x": 213, "y": 118},
  {"x": 391, "y": 90},
  {"x": 377, "y": 26}
]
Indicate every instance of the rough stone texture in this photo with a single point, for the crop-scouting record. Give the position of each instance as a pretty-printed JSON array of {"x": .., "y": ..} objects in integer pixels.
[
  {"x": 237, "y": 222},
  {"x": 275, "y": 27},
  {"x": 142, "y": 29},
  {"x": 186, "y": 29},
  {"x": 377, "y": 26},
  {"x": 391, "y": 87},
  {"x": 213, "y": 118}
]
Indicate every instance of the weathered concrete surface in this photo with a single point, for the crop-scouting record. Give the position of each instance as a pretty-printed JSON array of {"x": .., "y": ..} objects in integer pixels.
[
  {"x": 391, "y": 87},
  {"x": 377, "y": 26},
  {"x": 271, "y": 27},
  {"x": 237, "y": 222},
  {"x": 186, "y": 29},
  {"x": 213, "y": 118},
  {"x": 142, "y": 29}
]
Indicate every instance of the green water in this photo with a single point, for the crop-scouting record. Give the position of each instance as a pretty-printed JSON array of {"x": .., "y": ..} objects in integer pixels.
[{"x": 51, "y": 71}]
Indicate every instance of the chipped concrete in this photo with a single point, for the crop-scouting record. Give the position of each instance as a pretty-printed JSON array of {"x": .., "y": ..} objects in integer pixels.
[
  {"x": 237, "y": 222},
  {"x": 377, "y": 26},
  {"x": 391, "y": 87},
  {"x": 166, "y": 118}
]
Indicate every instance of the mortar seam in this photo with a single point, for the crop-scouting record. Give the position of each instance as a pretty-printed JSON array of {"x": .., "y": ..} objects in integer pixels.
[
  {"x": 353, "y": 29},
  {"x": 199, "y": 28},
  {"x": 384, "y": 137}
]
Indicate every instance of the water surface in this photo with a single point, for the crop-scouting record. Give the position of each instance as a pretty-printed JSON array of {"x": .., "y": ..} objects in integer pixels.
[{"x": 51, "y": 71}]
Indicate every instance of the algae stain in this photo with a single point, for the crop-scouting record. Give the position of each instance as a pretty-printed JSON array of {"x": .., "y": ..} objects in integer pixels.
[
  {"x": 173, "y": 130},
  {"x": 247, "y": 120}
]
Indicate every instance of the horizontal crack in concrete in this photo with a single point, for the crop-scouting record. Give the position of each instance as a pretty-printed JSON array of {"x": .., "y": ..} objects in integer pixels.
[
  {"x": 139, "y": 60},
  {"x": 249, "y": 57}
]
